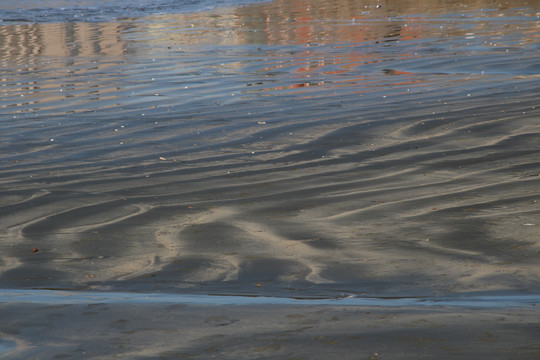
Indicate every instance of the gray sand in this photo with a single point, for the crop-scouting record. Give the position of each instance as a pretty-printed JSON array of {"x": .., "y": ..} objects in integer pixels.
[
  {"x": 110, "y": 331},
  {"x": 280, "y": 149}
]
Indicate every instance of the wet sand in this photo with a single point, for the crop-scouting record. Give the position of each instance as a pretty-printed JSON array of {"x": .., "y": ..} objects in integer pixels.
[
  {"x": 108, "y": 331},
  {"x": 280, "y": 149}
]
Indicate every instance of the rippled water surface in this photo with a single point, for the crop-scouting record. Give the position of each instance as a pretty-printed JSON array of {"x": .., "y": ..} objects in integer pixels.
[
  {"x": 282, "y": 147},
  {"x": 101, "y": 10}
]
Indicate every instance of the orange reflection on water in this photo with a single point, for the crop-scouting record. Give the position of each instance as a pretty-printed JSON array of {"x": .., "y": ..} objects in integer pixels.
[
  {"x": 306, "y": 44},
  {"x": 24, "y": 42},
  {"x": 46, "y": 63},
  {"x": 339, "y": 39}
]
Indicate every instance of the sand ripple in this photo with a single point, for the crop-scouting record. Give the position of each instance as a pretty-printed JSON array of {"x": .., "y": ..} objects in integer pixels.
[{"x": 274, "y": 163}]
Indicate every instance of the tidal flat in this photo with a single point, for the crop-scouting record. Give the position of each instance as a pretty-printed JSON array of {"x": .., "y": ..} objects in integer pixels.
[{"x": 284, "y": 149}]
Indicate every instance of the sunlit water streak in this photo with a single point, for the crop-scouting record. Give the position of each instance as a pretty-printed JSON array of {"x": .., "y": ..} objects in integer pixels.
[{"x": 69, "y": 297}]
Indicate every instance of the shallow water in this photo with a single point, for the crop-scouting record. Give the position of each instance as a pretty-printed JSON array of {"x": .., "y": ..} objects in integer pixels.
[
  {"x": 6, "y": 346},
  {"x": 80, "y": 297},
  {"x": 52, "y": 11},
  {"x": 285, "y": 148}
]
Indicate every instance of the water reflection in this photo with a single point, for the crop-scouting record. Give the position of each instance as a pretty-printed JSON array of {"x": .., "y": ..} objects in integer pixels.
[
  {"x": 313, "y": 22},
  {"x": 24, "y": 43},
  {"x": 44, "y": 64},
  {"x": 300, "y": 45},
  {"x": 348, "y": 43}
]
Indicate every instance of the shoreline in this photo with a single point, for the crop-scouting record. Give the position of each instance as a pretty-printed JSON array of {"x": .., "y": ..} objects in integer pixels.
[{"x": 45, "y": 297}]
